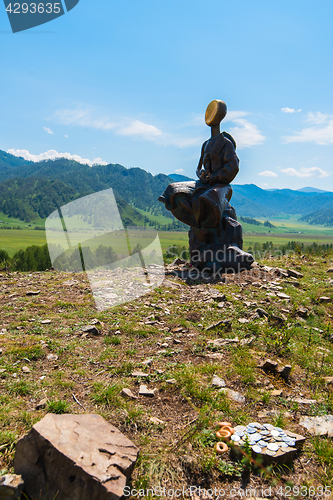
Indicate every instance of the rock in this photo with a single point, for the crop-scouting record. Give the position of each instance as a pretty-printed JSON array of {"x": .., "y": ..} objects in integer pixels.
[
  {"x": 11, "y": 487},
  {"x": 324, "y": 299},
  {"x": 75, "y": 457},
  {"x": 90, "y": 329},
  {"x": 318, "y": 426},
  {"x": 285, "y": 372},
  {"x": 304, "y": 401},
  {"x": 215, "y": 355},
  {"x": 46, "y": 322},
  {"x": 144, "y": 391},
  {"x": 178, "y": 262},
  {"x": 247, "y": 341},
  {"x": 283, "y": 296},
  {"x": 32, "y": 292},
  {"x": 261, "y": 313},
  {"x": 147, "y": 362},
  {"x": 218, "y": 382},
  {"x": 214, "y": 325},
  {"x": 139, "y": 374},
  {"x": 2, "y": 370},
  {"x": 171, "y": 381},
  {"x": 282, "y": 273},
  {"x": 234, "y": 395},
  {"x": 223, "y": 342},
  {"x": 268, "y": 413},
  {"x": 52, "y": 357},
  {"x": 276, "y": 392},
  {"x": 219, "y": 297},
  {"x": 330, "y": 270},
  {"x": 243, "y": 320},
  {"x": 328, "y": 380},
  {"x": 25, "y": 369},
  {"x": 294, "y": 274},
  {"x": 303, "y": 312},
  {"x": 269, "y": 366},
  {"x": 42, "y": 403},
  {"x": 128, "y": 394},
  {"x": 278, "y": 320},
  {"x": 156, "y": 421}
]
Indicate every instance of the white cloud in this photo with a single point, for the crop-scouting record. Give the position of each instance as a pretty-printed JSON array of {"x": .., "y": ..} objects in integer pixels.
[
  {"x": 320, "y": 133},
  {"x": 138, "y": 128},
  {"x": 83, "y": 118},
  {"x": 66, "y": 136},
  {"x": 305, "y": 172},
  {"x": 179, "y": 171},
  {"x": 48, "y": 130},
  {"x": 234, "y": 115},
  {"x": 246, "y": 133},
  {"x": 317, "y": 117},
  {"x": 53, "y": 155},
  {"x": 268, "y": 173},
  {"x": 290, "y": 110}
]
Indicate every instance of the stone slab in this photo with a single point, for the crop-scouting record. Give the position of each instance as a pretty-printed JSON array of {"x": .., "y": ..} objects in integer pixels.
[
  {"x": 11, "y": 487},
  {"x": 75, "y": 457},
  {"x": 318, "y": 426}
]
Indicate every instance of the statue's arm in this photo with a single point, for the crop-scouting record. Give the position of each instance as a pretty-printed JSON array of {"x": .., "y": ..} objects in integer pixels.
[
  {"x": 229, "y": 168},
  {"x": 199, "y": 167}
]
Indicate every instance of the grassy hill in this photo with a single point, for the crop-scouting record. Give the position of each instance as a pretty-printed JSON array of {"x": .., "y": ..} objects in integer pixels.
[
  {"x": 33, "y": 189},
  {"x": 324, "y": 217},
  {"x": 175, "y": 326}
]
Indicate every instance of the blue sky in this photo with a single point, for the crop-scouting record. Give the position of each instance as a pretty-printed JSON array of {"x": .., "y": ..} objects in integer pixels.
[{"x": 128, "y": 82}]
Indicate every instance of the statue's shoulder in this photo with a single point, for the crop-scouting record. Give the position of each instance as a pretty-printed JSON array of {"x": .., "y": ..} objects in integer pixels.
[{"x": 226, "y": 135}]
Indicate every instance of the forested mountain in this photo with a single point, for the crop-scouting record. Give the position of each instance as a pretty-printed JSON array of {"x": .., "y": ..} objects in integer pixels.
[
  {"x": 136, "y": 186},
  {"x": 324, "y": 217},
  {"x": 29, "y": 189},
  {"x": 252, "y": 201}
]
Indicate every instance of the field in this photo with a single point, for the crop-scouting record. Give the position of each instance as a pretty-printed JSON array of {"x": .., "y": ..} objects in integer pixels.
[
  {"x": 179, "y": 335},
  {"x": 287, "y": 229}
]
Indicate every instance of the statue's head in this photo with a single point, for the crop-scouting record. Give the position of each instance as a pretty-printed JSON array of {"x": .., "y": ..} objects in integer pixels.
[{"x": 215, "y": 112}]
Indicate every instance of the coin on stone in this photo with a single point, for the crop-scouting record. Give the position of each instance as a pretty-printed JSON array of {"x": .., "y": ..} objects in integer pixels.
[
  {"x": 275, "y": 433},
  {"x": 269, "y": 426},
  {"x": 272, "y": 447},
  {"x": 256, "y": 436},
  {"x": 235, "y": 438},
  {"x": 256, "y": 449},
  {"x": 270, "y": 453},
  {"x": 261, "y": 443},
  {"x": 239, "y": 428}
]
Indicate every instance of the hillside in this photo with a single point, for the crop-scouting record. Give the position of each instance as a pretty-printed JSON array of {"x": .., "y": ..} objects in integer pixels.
[
  {"x": 324, "y": 217},
  {"x": 178, "y": 337},
  {"x": 136, "y": 187}
]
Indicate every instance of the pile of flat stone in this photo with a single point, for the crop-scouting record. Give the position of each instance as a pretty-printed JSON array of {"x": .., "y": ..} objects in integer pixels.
[{"x": 272, "y": 444}]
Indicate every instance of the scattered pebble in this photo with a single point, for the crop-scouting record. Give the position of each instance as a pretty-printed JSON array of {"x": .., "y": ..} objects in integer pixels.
[
  {"x": 128, "y": 393},
  {"x": 144, "y": 391}
]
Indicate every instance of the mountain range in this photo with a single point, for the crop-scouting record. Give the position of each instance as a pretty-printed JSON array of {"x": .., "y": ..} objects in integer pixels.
[{"x": 32, "y": 190}]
